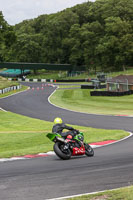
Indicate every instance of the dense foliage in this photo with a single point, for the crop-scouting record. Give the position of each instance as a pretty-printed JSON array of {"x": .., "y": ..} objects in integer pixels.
[
  {"x": 7, "y": 37},
  {"x": 93, "y": 34}
]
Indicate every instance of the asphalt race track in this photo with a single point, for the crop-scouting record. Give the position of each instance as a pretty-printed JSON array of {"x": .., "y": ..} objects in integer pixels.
[
  {"x": 34, "y": 103},
  {"x": 50, "y": 177}
]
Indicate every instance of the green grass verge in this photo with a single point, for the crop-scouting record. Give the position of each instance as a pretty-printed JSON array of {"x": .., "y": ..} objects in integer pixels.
[
  {"x": 63, "y": 75},
  {"x": 4, "y": 83},
  {"x": 20, "y": 135},
  {"x": 119, "y": 194},
  {"x": 68, "y": 86},
  {"x": 43, "y": 74},
  {"x": 128, "y": 71},
  {"x": 75, "y": 83},
  {"x": 80, "y": 100}
]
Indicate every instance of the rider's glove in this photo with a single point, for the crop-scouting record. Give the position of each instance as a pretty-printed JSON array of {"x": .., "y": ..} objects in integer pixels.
[{"x": 76, "y": 131}]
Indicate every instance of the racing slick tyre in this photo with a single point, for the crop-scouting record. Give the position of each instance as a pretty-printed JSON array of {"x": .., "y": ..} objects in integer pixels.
[
  {"x": 88, "y": 150},
  {"x": 61, "y": 151}
]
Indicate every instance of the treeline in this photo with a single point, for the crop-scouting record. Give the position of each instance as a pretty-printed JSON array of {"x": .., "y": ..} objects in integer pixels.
[
  {"x": 7, "y": 38},
  {"x": 92, "y": 34}
]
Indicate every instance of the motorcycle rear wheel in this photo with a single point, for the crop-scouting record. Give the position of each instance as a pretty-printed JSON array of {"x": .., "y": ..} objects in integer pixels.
[
  {"x": 58, "y": 149},
  {"x": 89, "y": 150}
]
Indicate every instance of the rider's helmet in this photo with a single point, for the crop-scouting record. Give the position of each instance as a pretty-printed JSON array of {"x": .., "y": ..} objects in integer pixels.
[{"x": 58, "y": 120}]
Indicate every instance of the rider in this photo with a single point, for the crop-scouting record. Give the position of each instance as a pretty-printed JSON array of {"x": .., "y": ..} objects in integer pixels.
[{"x": 59, "y": 126}]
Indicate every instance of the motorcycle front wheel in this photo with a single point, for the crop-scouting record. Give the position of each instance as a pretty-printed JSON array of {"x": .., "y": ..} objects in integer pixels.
[
  {"x": 61, "y": 152},
  {"x": 89, "y": 150}
]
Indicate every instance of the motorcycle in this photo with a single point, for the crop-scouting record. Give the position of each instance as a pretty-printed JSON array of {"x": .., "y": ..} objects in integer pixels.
[{"x": 67, "y": 147}]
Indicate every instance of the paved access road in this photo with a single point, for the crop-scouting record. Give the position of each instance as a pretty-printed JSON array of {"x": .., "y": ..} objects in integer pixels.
[{"x": 45, "y": 178}]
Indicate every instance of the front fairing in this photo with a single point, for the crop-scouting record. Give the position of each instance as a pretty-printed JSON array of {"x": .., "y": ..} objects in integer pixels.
[
  {"x": 79, "y": 137},
  {"x": 78, "y": 151},
  {"x": 52, "y": 136}
]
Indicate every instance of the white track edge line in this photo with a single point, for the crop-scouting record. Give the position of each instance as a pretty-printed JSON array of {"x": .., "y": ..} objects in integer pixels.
[
  {"x": 14, "y": 94},
  {"x": 3, "y": 109},
  {"x": 130, "y": 135},
  {"x": 9, "y": 159},
  {"x": 10, "y": 96},
  {"x": 52, "y": 152},
  {"x": 79, "y": 195},
  {"x": 79, "y": 111}
]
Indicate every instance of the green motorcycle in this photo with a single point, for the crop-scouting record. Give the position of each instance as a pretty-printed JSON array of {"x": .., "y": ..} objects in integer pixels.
[{"x": 67, "y": 147}]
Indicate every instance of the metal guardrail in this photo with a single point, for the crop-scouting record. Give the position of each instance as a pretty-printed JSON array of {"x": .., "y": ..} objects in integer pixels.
[
  {"x": 31, "y": 80},
  {"x": 48, "y": 80},
  {"x": 8, "y": 89}
]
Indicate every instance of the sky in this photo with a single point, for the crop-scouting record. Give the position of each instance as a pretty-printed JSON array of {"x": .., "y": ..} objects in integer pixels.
[{"x": 15, "y": 11}]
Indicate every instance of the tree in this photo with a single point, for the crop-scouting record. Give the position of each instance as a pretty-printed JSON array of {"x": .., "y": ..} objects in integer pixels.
[
  {"x": 27, "y": 49},
  {"x": 94, "y": 34},
  {"x": 90, "y": 34},
  {"x": 7, "y": 38},
  {"x": 115, "y": 48},
  {"x": 76, "y": 52}
]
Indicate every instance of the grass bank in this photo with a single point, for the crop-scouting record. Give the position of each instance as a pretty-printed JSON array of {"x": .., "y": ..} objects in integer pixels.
[
  {"x": 20, "y": 135},
  {"x": 119, "y": 194},
  {"x": 14, "y": 91},
  {"x": 80, "y": 100},
  {"x": 44, "y": 74},
  {"x": 4, "y": 83}
]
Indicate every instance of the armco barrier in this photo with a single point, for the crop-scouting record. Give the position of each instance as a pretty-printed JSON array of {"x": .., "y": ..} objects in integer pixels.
[
  {"x": 15, "y": 87},
  {"x": 109, "y": 93},
  {"x": 87, "y": 86},
  {"x": 31, "y": 80},
  {"x": 73, "y": 80},
  {"x": 48, "y": 80},
  {"x": 92, "y": 86}
]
